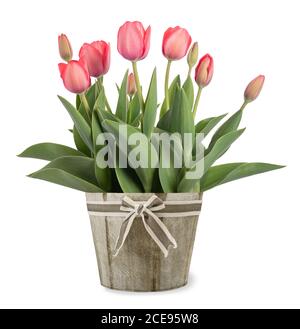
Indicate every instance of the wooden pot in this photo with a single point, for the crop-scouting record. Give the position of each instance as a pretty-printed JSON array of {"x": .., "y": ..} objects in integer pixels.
[{"x": 140, "y": 264}]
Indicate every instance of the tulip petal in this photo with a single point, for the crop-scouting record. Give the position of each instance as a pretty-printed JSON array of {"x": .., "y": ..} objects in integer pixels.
[
  {"x": 62, "y": 68},
  {"x": 93, "y": 59},
  {"x": 131, "y": 41},
  {"x": 204, "y": 70},
  {"x": 176, "y": 42},
  {"x": 97, "y": 57},
  {"x": 147, "y": 42},
  {"x": 106, "y": 59},
  {"x": 75, "y": 77}
]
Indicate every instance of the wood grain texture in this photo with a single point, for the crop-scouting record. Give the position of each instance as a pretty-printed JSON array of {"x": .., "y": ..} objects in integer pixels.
[{"x": 140, "y": 264}]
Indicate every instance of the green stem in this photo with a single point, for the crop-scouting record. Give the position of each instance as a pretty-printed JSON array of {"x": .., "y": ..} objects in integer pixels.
[
  {"x": 100, "y": 86},
  {"x": 167, "y": 84},
  {"x": 138, "y": 86},
  {"x": 244, "y": 105},
  {"x": 197, "y": 101},
  {"x": 139, "y": 91},
  {"x": 85, "y": 105},
  {"x": 189, "y": 72},
  {"x": 129, "y": 112}
]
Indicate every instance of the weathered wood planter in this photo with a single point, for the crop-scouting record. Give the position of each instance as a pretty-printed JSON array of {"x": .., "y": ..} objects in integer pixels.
[{"x": 144, "y": 242}]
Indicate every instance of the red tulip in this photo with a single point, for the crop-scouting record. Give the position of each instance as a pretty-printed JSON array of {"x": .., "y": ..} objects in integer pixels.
[
  {"x": 65, "y": 48},
  {"x": 254, "y": 88},
  {"x": 133, "y": 41},
  {"x": 97, "y": 57},
  {"x": 176, "y": 42},
  {"x": 75, "y": 76},
  {"x": 204, "y": 71}
]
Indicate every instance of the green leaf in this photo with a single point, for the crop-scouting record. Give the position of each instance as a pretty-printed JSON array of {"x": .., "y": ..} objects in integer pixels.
[
  {"x": 172, "y": 90},
  {"x": 133, "y": 110},
  {"x": 223, "y": 143},
  {"x": 105, "y": 115},
  {"x": 81, "y": 125},
  {"x": 165, "y": 121},
  {"x": 189, "y": 91},
  {"x": 121, "y": 111},
  {"x": 229, "y": 125},
  {"x": 183, "y": 121},
  {"x": 49, "y": 151},
  {"x": 150, "y": 107},
  {"x": 206, "y": 125},
  {"x": 168, "y": 176},
  {"x": 96, "y": 130},
  {"x": 80, "y": 145},
  {"x": 74, "y": 172},
  {"x": 156, "y": 185},
  {"x": 78, "y": 102},
  {"x": 103, "y": 175},
  {"x": 225, "y": 173},
  {"x": 91, "y": 95},
  {"x": 145, "y": 174},
  {"x": 100, "y": 101},
  {"x": 136, "y": 121},
  {"x": 128, "y": 180},
  {"x": 180, "y": 119}
]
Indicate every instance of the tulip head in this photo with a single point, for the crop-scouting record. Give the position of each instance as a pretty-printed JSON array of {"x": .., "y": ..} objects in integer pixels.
[
  {"x": 192, "y": 56},
  {"x": 176, "y": 42},
  {"x": 97, "y": 57},
  {"x": 254, "y": 88},
  {"x": 75, "y": 76},
  {"x": 65, "y": 48},
  {"x": 131, "y": 86},
  {"x": 134, "y": 41},
  {"x": 204, "y": 71}
]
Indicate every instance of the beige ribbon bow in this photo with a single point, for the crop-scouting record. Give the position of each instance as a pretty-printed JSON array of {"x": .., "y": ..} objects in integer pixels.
[{"x": 153, "y": 225}]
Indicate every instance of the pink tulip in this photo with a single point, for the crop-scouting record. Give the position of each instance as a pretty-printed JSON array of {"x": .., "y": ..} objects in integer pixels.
[
  {"x": 204, "y": 71},
  {"x": 131, "y": 86},
  {"x": 97, "y": 57},
  {"x": 133, "y": 41},
  {"x": 176, "y": 42},
  {"x": 65, "y": 48},
  {"x": 254, "y": 88},
  {"x": 75, "y": 76}
]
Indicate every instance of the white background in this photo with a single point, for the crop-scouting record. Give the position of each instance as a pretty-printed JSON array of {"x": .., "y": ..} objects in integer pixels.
[{"x": 248, "y": 240}]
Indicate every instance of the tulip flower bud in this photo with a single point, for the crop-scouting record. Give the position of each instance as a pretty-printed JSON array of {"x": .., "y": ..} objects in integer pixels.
[
  {"x": 204, "y": 71},
  {"x": 131, "y": 86},
  {"x": 134, "y": 41},
  {"x": 192, "y": 56},
  {"x": 254, "y": 88},
  {"x": 65, "y": 49},
  {"x": 75, "y": 76},
  {"x": 176, "y": 42}
]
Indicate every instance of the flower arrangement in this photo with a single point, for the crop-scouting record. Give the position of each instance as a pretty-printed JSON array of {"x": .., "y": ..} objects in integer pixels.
[
  {"x": 156, "y": 169},
  {"x": 87, "y": 169}
]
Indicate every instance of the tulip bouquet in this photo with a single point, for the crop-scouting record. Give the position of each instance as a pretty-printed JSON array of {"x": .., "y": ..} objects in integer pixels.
[{"x": 86, "y": 168}]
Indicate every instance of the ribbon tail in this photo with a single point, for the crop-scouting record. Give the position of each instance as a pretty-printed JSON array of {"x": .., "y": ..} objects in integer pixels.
[
  {"x": 124, "y": 230},
  {"x": 159, "y": 232}
]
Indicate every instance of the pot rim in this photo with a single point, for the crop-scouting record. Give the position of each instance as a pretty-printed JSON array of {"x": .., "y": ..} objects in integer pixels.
[{"x": 144, "y": 193}]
